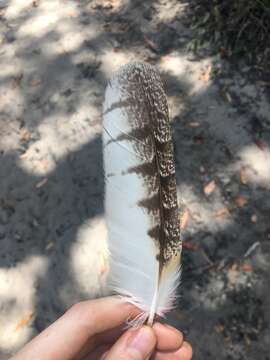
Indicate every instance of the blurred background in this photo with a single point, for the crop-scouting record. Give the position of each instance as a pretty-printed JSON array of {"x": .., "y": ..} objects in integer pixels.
[{"x": 55, "y": 59}]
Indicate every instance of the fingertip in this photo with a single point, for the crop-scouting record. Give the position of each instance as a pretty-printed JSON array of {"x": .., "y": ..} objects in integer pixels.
[
  {"x": 142, "y": 340},
  {"x": 168, "y": 337},
  {"x": 185, "y": 352},
  {"x": 135, "y": 344}
]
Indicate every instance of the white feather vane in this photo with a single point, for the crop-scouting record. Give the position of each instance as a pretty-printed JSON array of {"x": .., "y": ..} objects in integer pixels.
[{"x": 140, "y": 192}]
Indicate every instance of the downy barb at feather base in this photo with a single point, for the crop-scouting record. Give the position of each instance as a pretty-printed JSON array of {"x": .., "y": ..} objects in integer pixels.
[{"x": 140, "y": 197}]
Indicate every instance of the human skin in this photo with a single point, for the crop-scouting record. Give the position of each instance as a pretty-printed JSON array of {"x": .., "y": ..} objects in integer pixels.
[{"x": 96, "y": 330}]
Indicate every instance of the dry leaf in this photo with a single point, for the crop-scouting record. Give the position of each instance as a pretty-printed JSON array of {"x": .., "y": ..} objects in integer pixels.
[
  {"x": 261, "y": 145},
  {"x": 240, "y": 201},
  {"x": 243, "y": 176},
  {"x": 254, "y": 218},
  {"x": 7, "y": 204},
  {"x": 246, "y": 267},
  {"x": 16, "y": 81},
  {"x": 189, "y": 246},
  {"x": 35, "y": 82},
  {"x": 222, "y": 212},
  {"x": 206, "y": 74},
  {"x": 41, "y": 183},
  {"x": 26, "y": 135},
  {"x": 210, "y": 187},
  {"x": 24, "y": 321},
  {"x": 194, "y": 124},
  {"x": 219, "y": 328},
  {"x": 150, "y": 43},
  {"x": 184, "y": 219},
  {"x": 224, "y": 52}
]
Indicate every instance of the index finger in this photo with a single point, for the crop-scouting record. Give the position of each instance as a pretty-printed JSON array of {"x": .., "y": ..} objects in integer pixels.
[
  {"x": 69, "y": 334},
  {"x": 97, "y": 316}
]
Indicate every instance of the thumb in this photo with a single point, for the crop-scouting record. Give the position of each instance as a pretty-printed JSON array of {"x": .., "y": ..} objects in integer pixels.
[{"x": 133, "y": 345}]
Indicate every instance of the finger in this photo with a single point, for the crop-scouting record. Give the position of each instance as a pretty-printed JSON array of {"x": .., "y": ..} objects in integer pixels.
[
  {"x": 110, "y": 336},
  {"x": 69, "y": 334},
  {"x": 168, "y": 338},
  {"x": 136, "y": 344},
  {"x": 184, "y": 353},
  {"x": 98, "y": 353},
  {"x": 97, "y": 316},
  {"x": 107, "y": 337}
]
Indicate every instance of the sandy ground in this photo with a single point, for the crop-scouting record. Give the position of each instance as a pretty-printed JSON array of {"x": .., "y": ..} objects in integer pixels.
[{"x": 56, "y": 57}]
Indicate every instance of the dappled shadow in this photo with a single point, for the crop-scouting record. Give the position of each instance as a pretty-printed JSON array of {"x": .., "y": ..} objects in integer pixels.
[{"x": 48, "y": 90}]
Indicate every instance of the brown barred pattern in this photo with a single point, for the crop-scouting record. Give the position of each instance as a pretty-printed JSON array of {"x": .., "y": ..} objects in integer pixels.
[{"x": 147, "y": 112}]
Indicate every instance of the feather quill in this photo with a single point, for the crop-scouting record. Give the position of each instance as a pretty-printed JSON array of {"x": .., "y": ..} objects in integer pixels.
[{"x": 140, "y": 192}]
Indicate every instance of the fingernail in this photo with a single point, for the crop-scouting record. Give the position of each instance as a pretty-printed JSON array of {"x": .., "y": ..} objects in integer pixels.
[{"x": 141, "y": 343}]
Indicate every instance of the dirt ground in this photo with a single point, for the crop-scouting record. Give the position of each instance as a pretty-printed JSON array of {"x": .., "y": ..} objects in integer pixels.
[{"x": 56, "y": 57}]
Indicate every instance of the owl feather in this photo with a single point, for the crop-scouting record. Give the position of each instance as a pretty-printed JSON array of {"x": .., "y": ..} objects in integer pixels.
[{"x": 141, "y": 205}]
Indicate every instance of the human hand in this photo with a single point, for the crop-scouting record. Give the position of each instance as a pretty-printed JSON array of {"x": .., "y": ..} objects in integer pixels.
[{"x": 94, "y": 330}]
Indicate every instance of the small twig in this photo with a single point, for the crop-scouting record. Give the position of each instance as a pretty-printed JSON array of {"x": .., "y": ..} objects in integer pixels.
[
  {"x": 251, "y": 249},
  {"x": 205, "y": 255},
  {"x": 221, "y": 265},
  {"x": 202, "y": 268}
]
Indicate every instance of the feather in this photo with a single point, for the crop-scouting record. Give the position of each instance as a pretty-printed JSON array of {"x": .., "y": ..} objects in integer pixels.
[{"x": 140, "y": 192}]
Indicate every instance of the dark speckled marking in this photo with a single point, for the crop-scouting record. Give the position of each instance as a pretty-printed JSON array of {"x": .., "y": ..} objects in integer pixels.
[
  {"x": 138, "y": 134},
  {"x": 119, "y": 104},
  {"x": 147, "y": 112}
]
